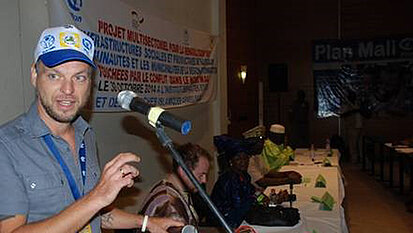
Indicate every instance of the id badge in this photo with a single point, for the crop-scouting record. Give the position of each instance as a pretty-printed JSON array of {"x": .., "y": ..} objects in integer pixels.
[{"x": 87, "y": 229}]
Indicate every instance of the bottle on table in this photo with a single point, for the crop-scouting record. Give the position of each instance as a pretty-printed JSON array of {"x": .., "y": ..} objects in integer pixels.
[
  {"x": 273, "y": 198},
  {"x": 328, "y": 148},
  {"x": 312, "y": 152}
]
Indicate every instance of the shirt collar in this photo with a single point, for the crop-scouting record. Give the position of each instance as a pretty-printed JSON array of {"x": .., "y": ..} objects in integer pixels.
[{"x": 176, "y": 181}]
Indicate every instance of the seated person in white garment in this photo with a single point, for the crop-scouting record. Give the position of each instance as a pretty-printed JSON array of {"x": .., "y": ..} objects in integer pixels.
[{"x": 270, "y": 155}]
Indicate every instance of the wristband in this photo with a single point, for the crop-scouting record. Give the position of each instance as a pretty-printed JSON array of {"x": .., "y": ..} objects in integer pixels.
[{"x": 144, "y": 223}]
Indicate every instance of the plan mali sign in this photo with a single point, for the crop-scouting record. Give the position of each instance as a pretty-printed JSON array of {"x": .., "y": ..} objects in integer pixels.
[
  {"x": 370, "y": 77},
  {"x": 327, "y": 51}
]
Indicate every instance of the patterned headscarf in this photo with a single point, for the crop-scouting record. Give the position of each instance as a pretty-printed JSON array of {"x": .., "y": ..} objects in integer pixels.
[{"x": 229, "y": 146}]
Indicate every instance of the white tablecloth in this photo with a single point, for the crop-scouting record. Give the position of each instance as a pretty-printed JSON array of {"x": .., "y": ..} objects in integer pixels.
[
  {"x": 312, "y": 218},
  {"x": 299, "y": 228},
  {"x": 302, "y": 157}
]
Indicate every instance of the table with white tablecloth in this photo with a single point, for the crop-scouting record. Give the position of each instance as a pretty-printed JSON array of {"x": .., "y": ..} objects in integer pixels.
[{"x": 313, "y": 218}]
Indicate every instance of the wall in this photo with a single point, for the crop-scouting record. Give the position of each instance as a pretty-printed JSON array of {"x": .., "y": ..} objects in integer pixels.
[
  {"x": 282, "y": 32},
  {"x": 117, "y": 132},
  {"x": 16, "y": 46},
  {"x": 285, "y": 31},
  {"x": 242, "y": 50},
  {"x": 11, "y": 67}
]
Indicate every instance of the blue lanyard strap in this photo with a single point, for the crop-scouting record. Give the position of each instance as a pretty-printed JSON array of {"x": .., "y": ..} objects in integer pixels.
[{"x": 82, "y": 159}]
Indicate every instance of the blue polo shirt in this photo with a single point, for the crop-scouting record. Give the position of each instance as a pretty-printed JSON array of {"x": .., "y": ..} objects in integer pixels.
[{"x": 32, "y": 182}]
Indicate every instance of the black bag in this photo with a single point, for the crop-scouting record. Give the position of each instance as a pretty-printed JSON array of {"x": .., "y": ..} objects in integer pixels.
[{"x": 272, "y": 216}]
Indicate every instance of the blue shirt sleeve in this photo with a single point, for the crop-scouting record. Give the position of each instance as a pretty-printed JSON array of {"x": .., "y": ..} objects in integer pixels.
[{"x": 13, "y": 195}]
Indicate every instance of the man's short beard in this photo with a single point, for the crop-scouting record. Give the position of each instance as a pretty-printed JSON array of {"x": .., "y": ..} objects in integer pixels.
[{"x": 56, "y": 116}]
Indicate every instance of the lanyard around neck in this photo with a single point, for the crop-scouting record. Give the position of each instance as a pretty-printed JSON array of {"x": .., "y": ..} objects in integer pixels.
[{"x": 82, "y": 160}]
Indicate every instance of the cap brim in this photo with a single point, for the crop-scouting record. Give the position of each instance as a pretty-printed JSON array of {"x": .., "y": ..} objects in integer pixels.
[{"x": 58, "y": 57}]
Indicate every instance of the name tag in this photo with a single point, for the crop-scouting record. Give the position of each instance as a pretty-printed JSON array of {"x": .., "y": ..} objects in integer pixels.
[{"x": 87, "y": 229}]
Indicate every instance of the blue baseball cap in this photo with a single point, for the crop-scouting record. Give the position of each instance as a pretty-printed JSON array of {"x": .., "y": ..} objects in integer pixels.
[{"x": 62, "y": 44}]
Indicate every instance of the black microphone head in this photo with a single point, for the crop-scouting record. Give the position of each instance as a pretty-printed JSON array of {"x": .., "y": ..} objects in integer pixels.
[{"x": 125, "y": 98}]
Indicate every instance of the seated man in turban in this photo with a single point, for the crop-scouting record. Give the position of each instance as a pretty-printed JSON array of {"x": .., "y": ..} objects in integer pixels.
[{"x": 264, "y": 166}]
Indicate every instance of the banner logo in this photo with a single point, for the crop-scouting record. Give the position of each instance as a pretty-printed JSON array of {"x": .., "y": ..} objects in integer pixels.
[
  {"x": 137, "y": 20},
  {"x": 406, "y": 44},
  {"x": 75, "y": 4}
]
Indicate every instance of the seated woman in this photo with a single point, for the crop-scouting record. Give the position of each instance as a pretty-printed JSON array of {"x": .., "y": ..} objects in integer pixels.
[
  {"x": 233, "y": 193},
  {"x": 269, "y": 156}
]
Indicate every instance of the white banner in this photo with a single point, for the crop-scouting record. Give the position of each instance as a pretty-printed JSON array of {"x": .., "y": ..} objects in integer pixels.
[{"x": 166, "y": 64}]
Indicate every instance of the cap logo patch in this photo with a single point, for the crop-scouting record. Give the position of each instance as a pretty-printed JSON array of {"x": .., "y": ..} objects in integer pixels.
[
  {"x": 47, "y": 42},
  {"x": 68, "y": 39},
  {"x": 87, "y": 45}
]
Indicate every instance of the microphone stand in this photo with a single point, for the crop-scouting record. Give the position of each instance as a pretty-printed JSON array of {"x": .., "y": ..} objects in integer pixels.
[{"x": 167, "y": 143}]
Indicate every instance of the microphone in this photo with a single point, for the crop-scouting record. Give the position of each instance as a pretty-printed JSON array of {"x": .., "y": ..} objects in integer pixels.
[
  {"x": 129, "y": 100},
  {"x": 189, "y": 229},
  {"x": 185, "y": 229}
]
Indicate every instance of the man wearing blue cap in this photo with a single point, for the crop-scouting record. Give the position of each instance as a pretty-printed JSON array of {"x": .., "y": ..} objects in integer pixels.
[{"x": 50, "y": 179}]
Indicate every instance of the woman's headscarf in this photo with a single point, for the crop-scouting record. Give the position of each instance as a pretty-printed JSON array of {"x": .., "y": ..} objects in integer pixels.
[{"x": 229, "y": 146}]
